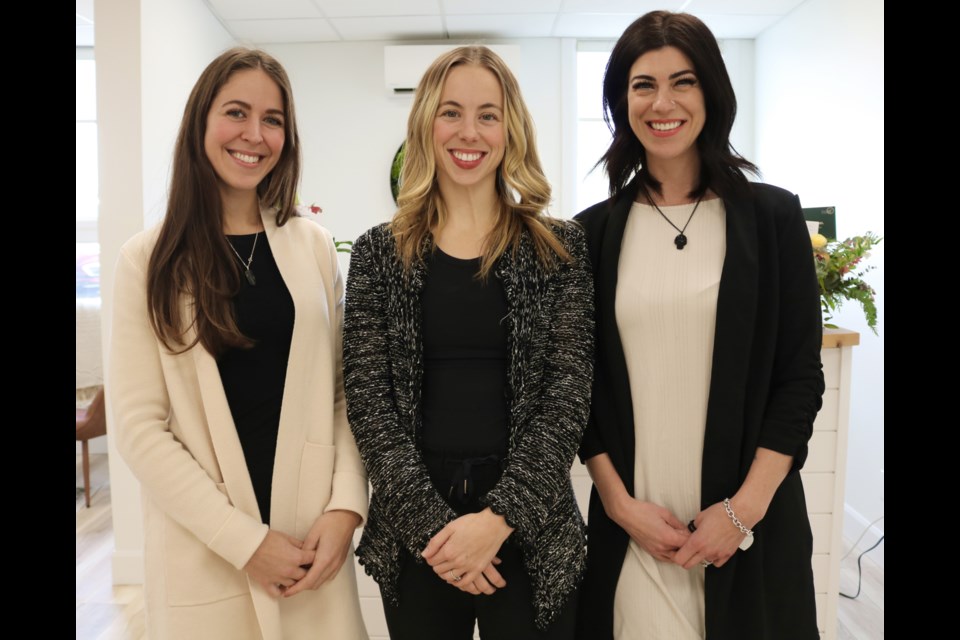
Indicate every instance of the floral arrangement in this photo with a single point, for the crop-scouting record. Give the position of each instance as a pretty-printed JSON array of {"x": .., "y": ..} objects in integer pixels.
[
  {"x": 343, "y": 246},
  {"x": 840, "y": 272}
]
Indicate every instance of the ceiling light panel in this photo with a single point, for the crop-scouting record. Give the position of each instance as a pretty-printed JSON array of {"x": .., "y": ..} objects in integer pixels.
[
  {"x": 634, "y": 7},
  {"x": 276, "y": 31},
  {"x": 743, "y": 7},
  {"x": 264, "y": 10},
  {"x": 369, "y": 8},
  {"x": 392, "y": 28},
  {"x": 515, "y": 25},
  {"x": 493, "y": 7},
  {"x": 592, "y": 25},
  {"x": 730, "y": 27}
]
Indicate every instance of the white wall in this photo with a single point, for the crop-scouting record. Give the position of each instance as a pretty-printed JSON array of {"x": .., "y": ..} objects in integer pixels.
[
  {"x": 148, "y": 57},
  {"x": 117, "y": 29},
  {"x": 819, "y": 133},
  {"x": 738, "y": 56},
  {"x": 179, "y": 38}
]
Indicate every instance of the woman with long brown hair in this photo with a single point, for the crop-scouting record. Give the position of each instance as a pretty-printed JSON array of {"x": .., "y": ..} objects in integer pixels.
[
  {"x": 468, "y": 352},
  {"x": 225, "y": 380}
]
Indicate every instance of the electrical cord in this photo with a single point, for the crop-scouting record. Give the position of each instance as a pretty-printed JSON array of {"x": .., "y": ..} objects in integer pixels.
[
  {"x": 854, "y": 545},
  {"x": 860, "y": 568}
]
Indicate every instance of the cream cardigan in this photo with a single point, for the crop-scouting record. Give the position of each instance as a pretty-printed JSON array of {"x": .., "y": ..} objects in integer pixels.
[{"x": 174, "y": 428}]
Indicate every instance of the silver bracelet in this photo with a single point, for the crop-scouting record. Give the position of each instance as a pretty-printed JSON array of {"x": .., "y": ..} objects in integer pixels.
[{"x": 745, "y": 544}]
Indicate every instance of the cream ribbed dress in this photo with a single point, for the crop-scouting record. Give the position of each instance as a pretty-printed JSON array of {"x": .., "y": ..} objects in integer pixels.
[{"x": 666, "y": 308}]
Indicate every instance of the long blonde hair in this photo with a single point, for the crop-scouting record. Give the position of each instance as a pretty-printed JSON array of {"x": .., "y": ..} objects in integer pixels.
[{"x": 522, "y": 189}]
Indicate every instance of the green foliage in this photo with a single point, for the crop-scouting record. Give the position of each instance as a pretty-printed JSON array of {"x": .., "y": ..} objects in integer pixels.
[
  {"x": 840, "y": 272},
  {"x": 395, "y": 170}
]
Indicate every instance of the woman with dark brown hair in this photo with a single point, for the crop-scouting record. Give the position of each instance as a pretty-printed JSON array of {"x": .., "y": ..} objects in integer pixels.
[
  {"x": 226, "y": 385},
  {"x": 468, "y": 353},
  {"x": 708, "y": 375}
]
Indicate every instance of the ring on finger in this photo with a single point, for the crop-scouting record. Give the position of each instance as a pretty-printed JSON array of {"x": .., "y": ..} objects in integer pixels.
[
  {"x": 454, "y": 576},
  {"x": 705, "y": 563}
]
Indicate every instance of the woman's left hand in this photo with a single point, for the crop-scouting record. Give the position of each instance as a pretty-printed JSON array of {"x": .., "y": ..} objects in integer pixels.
[
  {"x": 715, "y": 540},
  {"x": 716, "y": 537},
  {"x": 330, "y": 536},
  {"x": 463, "y": 552}
]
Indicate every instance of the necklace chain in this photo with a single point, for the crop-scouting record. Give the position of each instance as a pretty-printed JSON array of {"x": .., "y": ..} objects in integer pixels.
[
  {"x": 681, "y": 239},
  {"x": 246, "y": 265}
]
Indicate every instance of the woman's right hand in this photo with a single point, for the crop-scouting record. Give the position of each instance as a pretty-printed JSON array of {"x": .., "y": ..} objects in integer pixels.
[
  {"x": 278, "y": 562},
  {"x": 654, "y": 528},
  {"x": 463, "y": 553}
]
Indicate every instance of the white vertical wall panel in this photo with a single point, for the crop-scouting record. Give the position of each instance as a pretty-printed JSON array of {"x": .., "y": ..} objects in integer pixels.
[
  {"x": 822, "y": 454},
  {"x": 819, "y": 490},
  {"x": 827, "y": 418},
  {"x": 821, "y": 524}
]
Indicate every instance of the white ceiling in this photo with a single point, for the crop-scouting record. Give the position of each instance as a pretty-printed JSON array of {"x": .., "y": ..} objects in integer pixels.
[{"x": 272, "y": 21}]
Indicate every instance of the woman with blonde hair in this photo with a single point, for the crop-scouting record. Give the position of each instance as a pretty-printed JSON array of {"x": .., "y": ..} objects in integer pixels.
[
  {"x": 468, "y": 351},
  {"x": 225, "y": 381}
]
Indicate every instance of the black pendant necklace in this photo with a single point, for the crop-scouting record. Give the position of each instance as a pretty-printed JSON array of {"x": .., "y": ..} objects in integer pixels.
[
  {"x": 246, "y": 265},
  {"x": 681, "y": 239}
]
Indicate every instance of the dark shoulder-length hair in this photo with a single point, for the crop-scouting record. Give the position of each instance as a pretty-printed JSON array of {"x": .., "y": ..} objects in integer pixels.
[
  {"x": 721, "y": 167},
  {"x": 191, "y": 256}
]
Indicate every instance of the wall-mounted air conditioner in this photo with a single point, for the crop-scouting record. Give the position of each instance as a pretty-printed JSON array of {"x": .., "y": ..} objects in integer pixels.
[{"x": 403, "y": 65}]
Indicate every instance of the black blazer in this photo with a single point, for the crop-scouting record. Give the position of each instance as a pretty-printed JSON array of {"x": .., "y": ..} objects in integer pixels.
[{"x": 765, "y": 391}]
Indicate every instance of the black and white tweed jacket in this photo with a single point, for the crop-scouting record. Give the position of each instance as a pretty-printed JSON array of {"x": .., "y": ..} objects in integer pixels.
[{"x": 550, "y": 346}]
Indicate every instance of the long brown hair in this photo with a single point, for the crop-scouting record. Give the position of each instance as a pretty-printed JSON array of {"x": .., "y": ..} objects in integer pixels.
[
  {"x": 192, "y": 256},
  {"x": 522, "y": 188},
  {"x": 721, "y": 167}
]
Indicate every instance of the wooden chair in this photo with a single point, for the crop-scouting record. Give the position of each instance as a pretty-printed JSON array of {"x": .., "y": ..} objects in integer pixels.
[{"x": 91, "y": 422}]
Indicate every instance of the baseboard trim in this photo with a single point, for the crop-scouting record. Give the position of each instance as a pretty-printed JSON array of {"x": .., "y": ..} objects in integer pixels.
[{"x": 853, "y": 526}]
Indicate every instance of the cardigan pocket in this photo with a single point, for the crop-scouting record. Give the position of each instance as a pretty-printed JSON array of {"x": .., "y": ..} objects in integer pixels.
[
  {"x": 195, "y": 574},
  {"x": 315, "y": 486}
]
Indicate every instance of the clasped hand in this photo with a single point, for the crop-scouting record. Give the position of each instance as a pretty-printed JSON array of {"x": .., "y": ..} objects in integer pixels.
[
  {"x": 666, "y": 538},
  {"x": 654, "y": 528},
  {"x": 463, "y": 553},
  {"x": 715, "y": 540},
  {"x": 284, "y": 565}
]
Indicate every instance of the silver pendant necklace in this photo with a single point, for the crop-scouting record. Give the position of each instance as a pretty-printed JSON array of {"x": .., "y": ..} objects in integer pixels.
[{"x": 246, "y": 265}]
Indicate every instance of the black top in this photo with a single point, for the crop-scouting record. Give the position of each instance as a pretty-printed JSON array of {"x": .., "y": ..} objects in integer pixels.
[
  {"x": 465, "y": 412},
  {"x": 253, "y": 378}
]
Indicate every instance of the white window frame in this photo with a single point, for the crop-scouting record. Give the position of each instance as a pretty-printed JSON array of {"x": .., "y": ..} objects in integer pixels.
[{"x": 86, "y": 229}]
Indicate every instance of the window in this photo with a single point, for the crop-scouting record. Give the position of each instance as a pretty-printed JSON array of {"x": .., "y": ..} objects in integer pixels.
[
  {"x": 87, "y": 203},
  {"x": 593, "y": 137}
]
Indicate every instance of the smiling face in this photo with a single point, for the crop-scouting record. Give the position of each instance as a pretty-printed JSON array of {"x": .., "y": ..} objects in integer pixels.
[
  {"x": 245, "y": 132},
  {"x": 468, "y": 130},
  {"x": 666, "y": 106}
]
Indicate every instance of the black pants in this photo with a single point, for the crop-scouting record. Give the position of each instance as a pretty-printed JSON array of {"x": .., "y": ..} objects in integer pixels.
[{"x": 431, "y": 609}]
